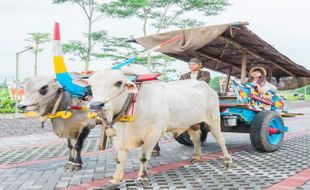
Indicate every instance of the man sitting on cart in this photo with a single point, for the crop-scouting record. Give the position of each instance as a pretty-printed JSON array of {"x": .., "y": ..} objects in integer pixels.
[
  {"x": 195, "y": 66},
  {"x": 258, "y": 79},
  {"x": 195, "y": 73}
]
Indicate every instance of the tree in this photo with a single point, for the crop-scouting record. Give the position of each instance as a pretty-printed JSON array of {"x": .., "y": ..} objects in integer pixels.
[
  {"x": 79, "y": 49},
  {"x": 215, "y": 83},
  {"x": 118, "y": 49},
  {"x": 6, "y": 104},
  {"x": 163, "y": 14},
  {"x": 37, "y": 39},
  {"x": 89, "y": 8}
]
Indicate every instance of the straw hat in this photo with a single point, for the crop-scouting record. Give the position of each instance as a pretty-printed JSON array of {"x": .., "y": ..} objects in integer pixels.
[{"x": 262, "y": 69}]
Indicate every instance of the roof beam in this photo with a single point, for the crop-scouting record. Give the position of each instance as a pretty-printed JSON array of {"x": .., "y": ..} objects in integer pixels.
[
  {"x": 239, "y": 46},
  {"x": 217, "y": 60}
]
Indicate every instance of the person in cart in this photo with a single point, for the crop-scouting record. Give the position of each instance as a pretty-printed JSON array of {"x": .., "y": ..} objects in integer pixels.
[
  {"x": 196, "y": 73},
  {"x": 258, "y": 79},
  {"x": 195, "y": 66}
]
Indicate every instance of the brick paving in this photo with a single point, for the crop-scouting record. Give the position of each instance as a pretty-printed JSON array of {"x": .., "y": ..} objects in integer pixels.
[
  {"x": 252, "y": 170},
  {"x": 306, "y": 186},
  {"x": 36, "y": 161}
]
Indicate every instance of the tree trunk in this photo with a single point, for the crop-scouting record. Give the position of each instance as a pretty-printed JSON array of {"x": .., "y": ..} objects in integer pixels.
[
  {"x": 149, "y": 59},
  {"x": 36, "y": 60},
  {"x": 88, "y": 44}
]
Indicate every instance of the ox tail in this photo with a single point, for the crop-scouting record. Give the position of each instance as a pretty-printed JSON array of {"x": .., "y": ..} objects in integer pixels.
[{"x": 62, "y": 74}]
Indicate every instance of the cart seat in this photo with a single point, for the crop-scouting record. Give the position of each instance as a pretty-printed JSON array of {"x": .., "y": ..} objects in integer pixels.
[{"x": 230, "y": 101}]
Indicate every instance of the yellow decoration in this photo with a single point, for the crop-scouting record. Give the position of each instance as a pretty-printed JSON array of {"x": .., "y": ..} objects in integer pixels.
[
  {"x": 59, "y": 65},
  {"x": 62, "y": 114},
  {"x": 124, "y": 118},
  {"x": 31, "y": 114},
  {"x": 279, "y": 104},
  {"x": 243, "y": 94},
  {"x": 92, "y": 115},
  {"x": 84, "y": 108},
  {"x": 127, "y": 118}
]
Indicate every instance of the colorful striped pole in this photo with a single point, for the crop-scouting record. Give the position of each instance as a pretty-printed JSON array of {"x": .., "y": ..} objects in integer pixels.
[
  {"x": 132, "y": 59},
  {"x": 65, "y": 79},
  {"x": 62, "y": 75}
]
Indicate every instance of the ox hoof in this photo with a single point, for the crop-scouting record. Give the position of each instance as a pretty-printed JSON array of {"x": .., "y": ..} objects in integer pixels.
[
  {"x": 228, "y": 163},
  {"x": 114, "y": 185},
  {"x": 155, "y": 153},
  {"x": 75, "y": 167},
  {"x": 228, "y": 166},
  {"x": 142, "y": 181},
  {"x": 194, "y": 161},
  {"x": 68, "y": 165}
]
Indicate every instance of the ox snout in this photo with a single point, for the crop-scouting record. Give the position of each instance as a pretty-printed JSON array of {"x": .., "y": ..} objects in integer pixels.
[
  {"x": 21, "y": 107},
  {"x": 95, "y": 106}
]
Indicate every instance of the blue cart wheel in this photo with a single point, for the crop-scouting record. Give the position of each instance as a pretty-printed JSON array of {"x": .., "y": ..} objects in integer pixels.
[
  {"x": 267, "y": 131},
  {"x": 274, "y": 133}
]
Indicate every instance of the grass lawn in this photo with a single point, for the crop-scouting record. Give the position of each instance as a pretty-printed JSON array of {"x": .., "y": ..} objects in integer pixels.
[{"x": 290, "y": 96}]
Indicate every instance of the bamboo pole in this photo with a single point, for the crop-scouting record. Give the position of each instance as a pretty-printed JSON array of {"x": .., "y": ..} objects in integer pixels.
[
  {"x": 243, "y": 65},
  {"x": 270, "y": 73},
  {"x": 227, "y": 80}
]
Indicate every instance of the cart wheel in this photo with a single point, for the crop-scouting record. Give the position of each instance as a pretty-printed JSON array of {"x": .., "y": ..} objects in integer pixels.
[
  {"x": 267, "y": 131},
  {"x": 185, "y": 139}
]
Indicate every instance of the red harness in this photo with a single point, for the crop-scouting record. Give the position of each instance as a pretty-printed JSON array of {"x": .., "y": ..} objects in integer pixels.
[{"x": 138, "y": 82}]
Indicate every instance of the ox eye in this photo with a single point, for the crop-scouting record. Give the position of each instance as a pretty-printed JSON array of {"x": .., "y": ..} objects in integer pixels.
[
  {"x": 118, "y": 84},
  {"x": 43, "y": 90}
]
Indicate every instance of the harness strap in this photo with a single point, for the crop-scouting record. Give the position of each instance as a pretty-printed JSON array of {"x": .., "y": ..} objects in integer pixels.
[
  {"x": 129, "y": 117},
  {"x": 56, "y": 105},
  {"x": 120, "y": 113}
]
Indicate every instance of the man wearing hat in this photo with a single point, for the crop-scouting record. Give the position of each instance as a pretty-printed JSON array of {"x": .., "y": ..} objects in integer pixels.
[
  {"x": 196, "y": 73},
  {"x": 258, "y": 78}
]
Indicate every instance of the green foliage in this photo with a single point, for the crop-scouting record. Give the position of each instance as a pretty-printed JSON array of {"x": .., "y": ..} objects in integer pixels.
[
  {"x": 289, "y": 94},
  {"x": 118, "y": 50},
  {"x": 76, "y": 49},
  {"x": 215, "y": 83},
  {"x": 36, "y": 39},
  {"x": 89, "y": 8},
  {"x": 161, "y": 64},
  {"x": 6, "y": 104},
  {"x": 164, "y": 13},
  {"x": 79, "y": 49},
  {"x": 302, "y": 90}
]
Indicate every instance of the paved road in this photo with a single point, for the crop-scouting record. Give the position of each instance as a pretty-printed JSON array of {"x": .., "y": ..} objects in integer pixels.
[{"x": 36, "y": 162}]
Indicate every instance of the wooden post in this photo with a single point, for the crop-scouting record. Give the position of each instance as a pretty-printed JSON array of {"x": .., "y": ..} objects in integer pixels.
[
  {"x": 269, "y": 76},
  {"x": 103, "y": 138},
  {"x": 227, "y": 80},
  {"x": 243, "y": 65}
]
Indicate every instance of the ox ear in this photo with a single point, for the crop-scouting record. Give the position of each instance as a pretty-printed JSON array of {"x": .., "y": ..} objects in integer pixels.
[
  {"x": 131, "y": 87},
  {"x": 81, "y": 82}
]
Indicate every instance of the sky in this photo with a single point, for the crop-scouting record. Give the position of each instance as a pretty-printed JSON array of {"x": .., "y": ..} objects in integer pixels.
[{"x": 282, "y": 23}]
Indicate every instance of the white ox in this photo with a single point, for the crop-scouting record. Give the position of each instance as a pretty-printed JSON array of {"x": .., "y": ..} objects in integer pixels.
[{"x": 160, "y": 107}]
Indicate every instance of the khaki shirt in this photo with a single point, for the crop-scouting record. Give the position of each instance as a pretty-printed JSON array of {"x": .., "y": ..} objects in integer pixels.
[{"x": 202, "y": 75}]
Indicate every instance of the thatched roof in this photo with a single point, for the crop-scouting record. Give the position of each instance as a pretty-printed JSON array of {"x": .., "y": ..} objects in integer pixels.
[{"x": 221, "y": 47}]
